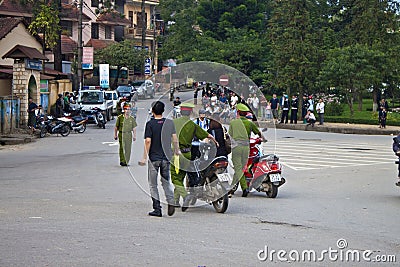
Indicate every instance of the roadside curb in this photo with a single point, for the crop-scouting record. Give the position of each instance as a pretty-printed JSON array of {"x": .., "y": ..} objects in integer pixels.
[{"x": 16, "y": 139}]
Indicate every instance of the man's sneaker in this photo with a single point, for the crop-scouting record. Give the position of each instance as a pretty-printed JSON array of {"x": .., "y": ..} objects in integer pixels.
[
  {"x": 171, "y": 210},
  {"x": 398, "y": 183},
  {"x": 156, "y": 213}
]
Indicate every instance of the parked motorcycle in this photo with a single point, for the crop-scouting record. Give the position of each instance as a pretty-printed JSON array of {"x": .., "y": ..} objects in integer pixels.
[
  {"x": 51, "y": 125},
  {"x": 212, "y": 181},
  {"x": 263, "y": 172},
  {"x": 78, "y": 122},
  {"x": 96, "y": 116}
]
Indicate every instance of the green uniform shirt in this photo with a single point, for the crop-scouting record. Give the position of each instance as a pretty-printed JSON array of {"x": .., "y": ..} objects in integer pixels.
[
  {"x": 240, "y": 129},
  {"x": 125, "y": 124},
  {"x": 186, "y": 129}
]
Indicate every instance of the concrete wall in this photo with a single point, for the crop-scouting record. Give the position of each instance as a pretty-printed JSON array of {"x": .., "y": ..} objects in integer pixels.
[{"x": 19, "y": 35}]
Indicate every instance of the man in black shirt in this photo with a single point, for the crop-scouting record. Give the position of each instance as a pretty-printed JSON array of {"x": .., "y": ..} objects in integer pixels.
[
  {"x": 31, "y": 114},
  {"x": 159, "y": 134},
  {"x": 177, "y": 101}
]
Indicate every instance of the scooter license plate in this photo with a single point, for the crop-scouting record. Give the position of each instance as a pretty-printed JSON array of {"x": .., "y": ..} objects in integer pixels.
[
  {"x": 275, "y": 177},
  {"x": 224, "y": 177}
]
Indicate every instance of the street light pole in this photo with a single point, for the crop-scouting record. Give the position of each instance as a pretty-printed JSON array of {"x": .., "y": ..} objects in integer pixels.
[{"x": 80, "y": 48}]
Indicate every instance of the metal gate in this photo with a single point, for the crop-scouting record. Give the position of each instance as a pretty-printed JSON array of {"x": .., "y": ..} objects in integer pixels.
[{"x": 9, "y": 114}]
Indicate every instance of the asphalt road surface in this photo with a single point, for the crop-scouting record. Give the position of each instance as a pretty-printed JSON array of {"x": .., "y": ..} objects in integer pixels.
[{"x": 65, "y": 201}]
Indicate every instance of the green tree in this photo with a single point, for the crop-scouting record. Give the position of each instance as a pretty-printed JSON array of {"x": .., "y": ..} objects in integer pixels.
[
  {"x": 293, "y": 43},
  {"x": 46, "y": 22},
  {"x": 349, "y": 70}
]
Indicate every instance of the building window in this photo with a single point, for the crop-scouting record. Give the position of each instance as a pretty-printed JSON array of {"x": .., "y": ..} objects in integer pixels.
[
  {"x": 108, "y": 32},
  {"x": 95, "y": 3},
  {"x": 131, "y": 18},
  {"x": 139, "y": 20},
  {"x": 66, "y": 27},
  {"x": 95, "y": 31}
]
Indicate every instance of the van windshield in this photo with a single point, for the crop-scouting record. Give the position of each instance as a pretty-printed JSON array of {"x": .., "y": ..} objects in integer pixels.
[{"x": 92, "y": 97}]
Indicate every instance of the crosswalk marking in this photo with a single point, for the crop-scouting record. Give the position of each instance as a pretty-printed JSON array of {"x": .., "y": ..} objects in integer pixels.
[{"x": 320, "y": 154}]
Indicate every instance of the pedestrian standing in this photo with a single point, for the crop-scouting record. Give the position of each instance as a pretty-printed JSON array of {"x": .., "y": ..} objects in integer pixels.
[
  {"x": 195, "y": 96},
  {"x": 159, "y": 135},
  {"x": 32, "y": 107},
  {"x": 274, "y": 106},
  {"x": 285, "y": 109},
  {"x": 383, "y": 104},
  {"x": 255, "y": 104},
  {"x": 125, "y": 133},
  {"x": 304, "y": 108},
  {"x": 320, "y": 111},
  {"x": 59, "y": 106},
  {"x": 383, "y": 118},
  {"x": 294, "y": 104},
  {"x": 263, "y": 107}
]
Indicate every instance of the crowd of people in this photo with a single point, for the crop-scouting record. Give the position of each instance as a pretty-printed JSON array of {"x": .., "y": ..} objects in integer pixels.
[{"x": 220, "y": 103}]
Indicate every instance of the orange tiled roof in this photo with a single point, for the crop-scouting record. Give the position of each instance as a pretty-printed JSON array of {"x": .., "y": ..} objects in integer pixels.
[
  {"x": 113, "y": 18},
  {"x": 99, "y": 44},
  {"x": 8, "y": 24}
]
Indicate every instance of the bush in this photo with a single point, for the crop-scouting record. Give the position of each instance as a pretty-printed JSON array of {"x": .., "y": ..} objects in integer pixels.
[{"x": 334, "y": 109}]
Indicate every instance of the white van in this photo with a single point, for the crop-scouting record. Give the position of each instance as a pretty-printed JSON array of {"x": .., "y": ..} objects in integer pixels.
[{"x": 113, "y": 95}]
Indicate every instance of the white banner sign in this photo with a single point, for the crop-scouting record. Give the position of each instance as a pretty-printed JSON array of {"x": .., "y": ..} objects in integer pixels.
[{"x": 104, "y": 70}]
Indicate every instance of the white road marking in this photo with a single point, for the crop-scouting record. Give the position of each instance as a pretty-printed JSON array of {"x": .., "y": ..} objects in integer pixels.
[
  {"x": 328, "y": 154},
  {"x": 110, "y": 143}
]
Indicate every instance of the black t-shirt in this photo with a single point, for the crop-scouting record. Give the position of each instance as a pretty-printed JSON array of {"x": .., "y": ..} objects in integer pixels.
[
  {"x": 31, "y": 108},
  {"x": 177, "y": 103},
  {"x": 160, "y": 131}
]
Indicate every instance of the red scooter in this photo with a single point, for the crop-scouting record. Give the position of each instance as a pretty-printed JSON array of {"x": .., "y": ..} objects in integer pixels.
[{"x": 263, "y": 172}]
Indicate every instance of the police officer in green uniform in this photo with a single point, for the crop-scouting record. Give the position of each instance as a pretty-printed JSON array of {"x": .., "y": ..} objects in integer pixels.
[
  {"x": 240, "y": 130},
  {"x": 186, "y": 129},
  {"x": 125, "y": 132}
]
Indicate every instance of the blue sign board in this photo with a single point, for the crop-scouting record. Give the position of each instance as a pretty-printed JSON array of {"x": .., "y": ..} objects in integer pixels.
[
  {"x": 87, "y": 66},
  {"x": 33, "y": 64},
  {"x": 147, "y": 66}
]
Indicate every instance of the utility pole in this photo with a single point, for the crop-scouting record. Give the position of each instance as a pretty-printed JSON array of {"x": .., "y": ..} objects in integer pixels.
[
  {"x": 154, "y": 39},
  {"x": 80, "y": 48},
  {"x": 143, "y": 17}
]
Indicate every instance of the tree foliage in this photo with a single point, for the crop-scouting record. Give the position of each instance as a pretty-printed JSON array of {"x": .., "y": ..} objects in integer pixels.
[
  {"x": 46, "y": 22},
  {"x": 292, "y": 45}
]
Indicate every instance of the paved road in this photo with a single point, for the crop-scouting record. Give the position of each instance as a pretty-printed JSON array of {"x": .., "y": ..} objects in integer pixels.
[{"x": 67, "y": 202}]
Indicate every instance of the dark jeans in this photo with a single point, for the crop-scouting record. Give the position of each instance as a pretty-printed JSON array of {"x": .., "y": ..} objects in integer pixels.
[
  {"x": 321, "y": 118},
  {"x": 162, "y": 166},
  {"x": 285, "y": 116},
  {"x": 293, "y": 116}
]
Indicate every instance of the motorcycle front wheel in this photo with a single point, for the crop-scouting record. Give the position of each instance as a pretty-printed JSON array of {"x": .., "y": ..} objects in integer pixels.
[
  {"x": 221, "y": 204},
  {"x": 65, "y": 130},
  {"x": 43, "y": 132}
]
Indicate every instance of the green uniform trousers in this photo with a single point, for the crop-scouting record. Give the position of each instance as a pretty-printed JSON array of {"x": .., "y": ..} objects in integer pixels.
[
  {"x": 125, "y": 146},
  {"x": 177, "y": 178},
  {"x": 240, "y": 155}
]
